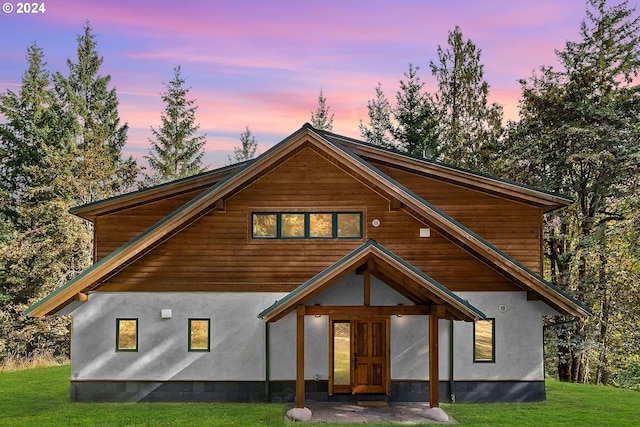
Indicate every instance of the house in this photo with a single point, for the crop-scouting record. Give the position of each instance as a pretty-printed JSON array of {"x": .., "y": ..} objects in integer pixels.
[{"x": 325, "y": 269}]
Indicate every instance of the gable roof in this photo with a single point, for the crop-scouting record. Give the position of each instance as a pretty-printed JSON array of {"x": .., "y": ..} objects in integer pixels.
[
  {"x": 414, "y": 284},
  {"x": 234, "y": 182}
]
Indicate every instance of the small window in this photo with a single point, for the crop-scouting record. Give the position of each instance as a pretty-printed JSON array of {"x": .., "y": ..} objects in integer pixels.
[
  {"x": 321, "y": 225},
  {"x": 199, "y": 335},
  {"x": 126, "y": 334},
  {"x": 265, "y": 225},
  {"x": 484, "y": 340},
  {"x": 349, "y": 225},
  {"x": 293, "y": 225}
]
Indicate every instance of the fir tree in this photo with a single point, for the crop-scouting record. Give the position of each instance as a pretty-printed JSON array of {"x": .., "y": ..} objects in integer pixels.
[
  {"x": 467, "y": 123},
  {"x": 378, "y": 131},
  {"x": 320, "y": 119},
  {"x": 415, "y": 129},
  {"x": 91, "y": 111},
  {"x": 248, "y": 148},
  {"x": 176, "y": 151}
]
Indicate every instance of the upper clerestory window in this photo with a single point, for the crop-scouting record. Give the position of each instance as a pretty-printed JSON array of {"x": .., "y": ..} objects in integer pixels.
[{"x": 306, "y": 225}]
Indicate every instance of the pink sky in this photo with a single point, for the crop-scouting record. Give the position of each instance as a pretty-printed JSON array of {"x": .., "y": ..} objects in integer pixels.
[{"x": 262, "y": 63}]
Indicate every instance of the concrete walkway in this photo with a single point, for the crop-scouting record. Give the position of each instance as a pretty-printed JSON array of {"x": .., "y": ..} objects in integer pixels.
[{"x": 406, "y": 413}]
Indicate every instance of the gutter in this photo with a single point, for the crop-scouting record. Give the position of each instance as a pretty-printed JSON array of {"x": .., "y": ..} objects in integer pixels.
[{"x": 452, "y": 383}]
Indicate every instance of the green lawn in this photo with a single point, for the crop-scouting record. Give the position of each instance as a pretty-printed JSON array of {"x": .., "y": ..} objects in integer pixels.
[{"x": 39, "y": 397}]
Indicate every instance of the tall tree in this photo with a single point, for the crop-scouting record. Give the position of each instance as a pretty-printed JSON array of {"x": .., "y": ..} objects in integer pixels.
[
  {"x": 320, "y": 119},
  {"x": 467, "y": 123},
  {"x": 176, "y": 149},
  {"x": 248, "y": 148},
  {"x": 378, "y": 131},
  {"x": 91, "y": 111},
  {"x": 42, "y": 244},
  {"x": 27, "y": 129},
  {"x": 415, "y": 128},
  {"x": 578, "y": 134}
]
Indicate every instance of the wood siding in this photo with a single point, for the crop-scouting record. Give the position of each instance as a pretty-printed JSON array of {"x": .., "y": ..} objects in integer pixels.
[{"x": 217, "y": 253}]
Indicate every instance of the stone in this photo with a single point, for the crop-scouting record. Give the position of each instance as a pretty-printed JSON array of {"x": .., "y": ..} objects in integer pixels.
[
  {"x": 299, "y": 414},
  {"x": 435, "y": 414}
]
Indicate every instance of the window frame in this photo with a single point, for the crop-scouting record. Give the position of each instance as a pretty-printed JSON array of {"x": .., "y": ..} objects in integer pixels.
[
  {"x": 307, "y": 225},
  {"x": 493, "y": 341},
  {"x": 189, "y": 341},
  {"x": 127, "y": 350}
]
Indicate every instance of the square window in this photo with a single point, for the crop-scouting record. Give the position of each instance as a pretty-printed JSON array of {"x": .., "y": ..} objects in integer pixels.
[
  {"x": 484, "y": 340},
  {"x": 292, "y": 224},
  {"x": 126, "y": 334},
  {"x": 320, "y": 225},
  {"x": 199, "y": 334},
  {"x": 265, "y": 225},
  {"x": 349, "y": 225}
]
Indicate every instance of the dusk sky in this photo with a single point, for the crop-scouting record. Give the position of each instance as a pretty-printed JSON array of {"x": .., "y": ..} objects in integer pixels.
[{"x": 263, "y": 63}]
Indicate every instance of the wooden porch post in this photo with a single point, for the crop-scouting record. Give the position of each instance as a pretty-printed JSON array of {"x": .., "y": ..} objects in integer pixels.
[
  {"x": 434, "y": 379},
  {"x": 300, "y": 357}
]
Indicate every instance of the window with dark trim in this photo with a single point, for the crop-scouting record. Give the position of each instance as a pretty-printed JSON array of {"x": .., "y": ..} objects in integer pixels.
[
  {"x": 199, "y": 334},
  {"x": 126, "y": 334},
  {"x": 484, "y": 341},
  {"x": 306, "y": 225}
]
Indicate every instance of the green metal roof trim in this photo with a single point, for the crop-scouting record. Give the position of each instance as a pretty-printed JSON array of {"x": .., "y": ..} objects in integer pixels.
[
  {"x": 354, "y": 254},
  {"x": 332, "y": 136},
  {"x": 240, "y": 165},
  {"x": 447, "y": 218}
]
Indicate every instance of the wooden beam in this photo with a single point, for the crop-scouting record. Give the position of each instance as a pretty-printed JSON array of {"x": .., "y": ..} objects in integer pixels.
[
  {"x": 372, "y": 310},
  {"x": 300, "y": 311},
  {"x": 367, "y": 283},
  {"x": 395, "y": 205},
  {"x": 219, "y": 205},
  {"x": 434, "y": 378},
  {"x": 533, "y": 296}
]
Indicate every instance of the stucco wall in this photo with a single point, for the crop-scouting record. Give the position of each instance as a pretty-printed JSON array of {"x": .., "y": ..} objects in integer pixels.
[{"x": 238, "y": 337}]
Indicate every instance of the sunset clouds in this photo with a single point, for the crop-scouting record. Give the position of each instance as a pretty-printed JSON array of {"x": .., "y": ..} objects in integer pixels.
[{"x": 262, "y": 63}]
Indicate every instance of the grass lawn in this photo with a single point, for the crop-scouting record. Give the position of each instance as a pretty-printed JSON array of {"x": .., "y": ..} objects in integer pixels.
[{"x": 40, "y": 397}]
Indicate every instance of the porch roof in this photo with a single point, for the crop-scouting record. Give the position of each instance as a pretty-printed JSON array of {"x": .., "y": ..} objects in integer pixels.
[{"x": 392, "y": 270}]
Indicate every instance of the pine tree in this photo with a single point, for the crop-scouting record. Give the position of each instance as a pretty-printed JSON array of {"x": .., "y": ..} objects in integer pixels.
[
  {"x": 378, "y": 131},
  {"x": 578, "y": 134},
  {"x": 176, "y": 151},
  {"x": 467, "y": 123},
  {"x": 91, "y": 111},
  {"x": 320, "y": 119},
  {"x": 248, "y": 148},
  {"x": 415, "y": 129}
]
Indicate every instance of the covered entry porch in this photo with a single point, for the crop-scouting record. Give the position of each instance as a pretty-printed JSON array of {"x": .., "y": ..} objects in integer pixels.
[{"x": 365, "y": 325}]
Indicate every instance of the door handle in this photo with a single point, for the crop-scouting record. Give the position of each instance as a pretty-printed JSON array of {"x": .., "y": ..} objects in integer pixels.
[{"x": 355, "y": 361}]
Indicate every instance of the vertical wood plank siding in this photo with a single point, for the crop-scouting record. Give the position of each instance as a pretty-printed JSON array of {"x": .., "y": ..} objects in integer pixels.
[{"x": 216, "y": 253}]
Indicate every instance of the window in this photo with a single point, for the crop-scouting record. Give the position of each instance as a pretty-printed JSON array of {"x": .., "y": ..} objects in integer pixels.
[
  {"x": 484, "y": 340},
  {"x": 126, "y": 334},
  {"x": 199, "y": 334},
  {"x": 306, "y": 225}
]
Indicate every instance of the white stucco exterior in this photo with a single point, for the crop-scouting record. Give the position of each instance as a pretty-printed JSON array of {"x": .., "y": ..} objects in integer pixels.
[{"x": 238, "y": 353}]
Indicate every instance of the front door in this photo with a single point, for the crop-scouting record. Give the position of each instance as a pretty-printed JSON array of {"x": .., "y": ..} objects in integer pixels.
[{"x": 360, "y": 356}]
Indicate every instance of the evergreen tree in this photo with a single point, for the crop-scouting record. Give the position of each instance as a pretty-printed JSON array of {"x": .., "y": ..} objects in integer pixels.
[
  {"x": 578, "y": 134},
  {"x": 467, "y": 123},
  {"x": 247, "y": 150},
  {"x": 415, "y": 128},
  {"x": 378, "y": 131},
  {"x": 28, "y": 128},
  {"x": 176, "y": 151},
  {"x": 320, "y": 119},
  {"x": 91, "y": 111}
]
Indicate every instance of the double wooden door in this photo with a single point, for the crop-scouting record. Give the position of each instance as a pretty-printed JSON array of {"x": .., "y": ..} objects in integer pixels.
[{"x": 359, "y": 356}]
